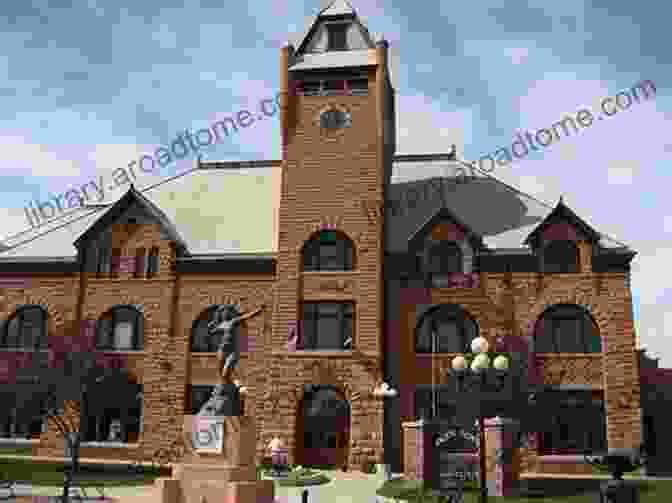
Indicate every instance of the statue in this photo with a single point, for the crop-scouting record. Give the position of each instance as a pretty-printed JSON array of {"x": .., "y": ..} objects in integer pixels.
[
  {"x": 227, "y": 319},
  {"x": 225, "y": 399}
]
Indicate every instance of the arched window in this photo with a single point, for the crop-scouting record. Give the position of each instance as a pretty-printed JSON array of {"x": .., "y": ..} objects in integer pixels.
[
  {"x": 121, "y": 328},
  {"x": 449, "y": 327},
  {"x": 561, "y": 256},
  {"x": 443, "y": 259},
  {"x": 201, "y": 340},
  {"x": 567, "y": 328},
  {"x": 328, "y": 251},
  {"x": 26, "y": 329}
]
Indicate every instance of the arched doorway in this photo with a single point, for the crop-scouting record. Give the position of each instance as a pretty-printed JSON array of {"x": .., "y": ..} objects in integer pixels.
[{"x": 322, "y": 427}]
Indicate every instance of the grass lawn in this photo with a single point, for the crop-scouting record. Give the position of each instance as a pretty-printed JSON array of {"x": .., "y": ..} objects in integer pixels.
[
  {"x": 407, "y": 490},
  {"x": 51, "y": 474},
  {"x": 16, "y": 451}
]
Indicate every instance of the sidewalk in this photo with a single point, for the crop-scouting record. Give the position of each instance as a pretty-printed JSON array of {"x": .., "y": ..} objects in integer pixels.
[{"x": 343, "y": 488}]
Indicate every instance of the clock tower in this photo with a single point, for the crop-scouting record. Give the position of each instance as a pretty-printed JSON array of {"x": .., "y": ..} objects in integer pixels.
[{"x": 338, "y": 140}]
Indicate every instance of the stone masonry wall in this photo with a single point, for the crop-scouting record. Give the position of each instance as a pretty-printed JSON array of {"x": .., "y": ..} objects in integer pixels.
[{"x": 509, "y": 304}]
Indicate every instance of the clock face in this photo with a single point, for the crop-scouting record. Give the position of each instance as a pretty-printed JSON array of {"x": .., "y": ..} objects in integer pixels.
[{"x": 335, "y": 119}]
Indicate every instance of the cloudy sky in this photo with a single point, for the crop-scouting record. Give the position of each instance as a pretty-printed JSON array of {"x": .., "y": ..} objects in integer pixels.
[{"x": 87, "y": 87}]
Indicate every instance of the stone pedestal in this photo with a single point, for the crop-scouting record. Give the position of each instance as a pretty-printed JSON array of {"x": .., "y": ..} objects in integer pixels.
[
  {"x": 502, "y": 456},
  {"x": 225, "y": 474}
]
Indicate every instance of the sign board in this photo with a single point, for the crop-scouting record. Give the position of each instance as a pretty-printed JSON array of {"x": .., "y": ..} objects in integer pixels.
[
  {"x": 450, "y": 465},
  {"x": 208, "y": 434}
]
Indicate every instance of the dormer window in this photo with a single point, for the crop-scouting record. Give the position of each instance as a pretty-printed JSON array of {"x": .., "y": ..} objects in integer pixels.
[
  {"x": 443, "y": 259},
  {"x": 561, "y": 256},
  {"x": 337, "y": 36}
]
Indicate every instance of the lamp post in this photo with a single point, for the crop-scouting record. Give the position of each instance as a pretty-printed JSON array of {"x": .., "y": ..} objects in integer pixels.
[{"x": 474, "y": 374}]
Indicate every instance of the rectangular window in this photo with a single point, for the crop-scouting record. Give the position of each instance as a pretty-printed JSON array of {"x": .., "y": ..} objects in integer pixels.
[
  {"x": 311, "y": 88},
  {"x": 114, "y": 424},
  {"x": 139, "y": 266},
  {"x": 578, "y": 425},
  {"x": 328, "y": 326},
  {"x": 198, "y": 395},
  {"x": 123, "y": 335},
  {"x": 104, "y": 261},
  {"x": 332, "y": 87},
  {"x": 10, "y": 427},
  {"x": 338, "y": 36},
  {"x": 359, "y": 87},
  {"x": 153, "y": 262}
]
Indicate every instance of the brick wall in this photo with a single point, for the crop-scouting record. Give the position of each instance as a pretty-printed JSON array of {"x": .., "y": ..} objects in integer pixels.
[{"x": 510, "y": 304}]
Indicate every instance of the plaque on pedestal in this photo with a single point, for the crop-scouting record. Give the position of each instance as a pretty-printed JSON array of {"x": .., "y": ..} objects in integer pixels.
[{"x": 208, "y": 436}]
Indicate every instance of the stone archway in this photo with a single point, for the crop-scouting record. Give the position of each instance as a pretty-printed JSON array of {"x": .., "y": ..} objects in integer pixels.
[{"x": 322, "y": 427}]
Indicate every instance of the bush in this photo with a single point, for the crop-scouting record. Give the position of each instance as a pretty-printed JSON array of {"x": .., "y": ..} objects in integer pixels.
[{"x": 368, "y": 467}]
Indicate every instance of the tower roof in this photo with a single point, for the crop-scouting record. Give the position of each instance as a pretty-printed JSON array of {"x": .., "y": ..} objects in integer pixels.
[
  {"x": 314, "y": 50},
  {"x": 338, "y": 8}
]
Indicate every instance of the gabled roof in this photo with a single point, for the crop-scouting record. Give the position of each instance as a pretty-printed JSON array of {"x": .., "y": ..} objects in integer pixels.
[
  {"x": 131, "y": 198},
  {"x": 442, "y": 214},
  {"x": 563, "y": 212},
  {"x": 223, "y": 208},
  {"x": 344, "y": 10},
  {"x": 357, "y": 56}
]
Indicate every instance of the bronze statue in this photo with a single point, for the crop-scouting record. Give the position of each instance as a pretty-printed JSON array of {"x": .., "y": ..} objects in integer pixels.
[
  {"x": 225, "y": 399},
  {"x": 227, "y": 319}
]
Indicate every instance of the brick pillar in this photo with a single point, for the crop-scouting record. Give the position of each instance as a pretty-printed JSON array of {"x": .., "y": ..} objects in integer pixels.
[
  {"x": 418, "y": 450},
  {"x": 585, "y": 256},
  {"x": 502, "y": 456}
]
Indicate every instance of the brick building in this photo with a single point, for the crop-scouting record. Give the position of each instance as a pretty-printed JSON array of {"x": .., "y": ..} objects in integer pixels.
[{"x": 359, "y": 257}]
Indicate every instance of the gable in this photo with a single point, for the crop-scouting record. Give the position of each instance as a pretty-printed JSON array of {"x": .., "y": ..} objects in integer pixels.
[
  {"x": 444, "y": 226},
  {"x": 132, "y": 209},
  {"x": 357, "y": 37},
  {"x": 315, "y": 41},
  {"x": 562, "y": 224}
]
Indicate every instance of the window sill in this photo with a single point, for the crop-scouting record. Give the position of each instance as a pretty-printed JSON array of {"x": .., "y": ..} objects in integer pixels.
[
  {"x": 208, "y": 354},
  {"x": 18, "y": 441},
  {"x": 328, "y": 272},
  {"x": 23, "y": 350},
  {"x": 569, "y": 355},
  {"x": 115, "y": 445},
  {"x": 561, "y": 458},
  {"x": 122, "y": 351},
  {"x": 313, "y": 353}
]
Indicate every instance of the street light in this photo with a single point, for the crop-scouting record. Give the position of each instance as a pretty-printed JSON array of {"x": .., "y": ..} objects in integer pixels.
[{"x": 474, "y": 373}]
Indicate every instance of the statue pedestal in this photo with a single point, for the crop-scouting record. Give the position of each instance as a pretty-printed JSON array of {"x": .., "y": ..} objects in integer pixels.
[{"x": 218, "y": 475}]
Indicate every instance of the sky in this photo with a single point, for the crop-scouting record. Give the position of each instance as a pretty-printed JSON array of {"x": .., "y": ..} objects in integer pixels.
[{"x": 86, "y": 87}]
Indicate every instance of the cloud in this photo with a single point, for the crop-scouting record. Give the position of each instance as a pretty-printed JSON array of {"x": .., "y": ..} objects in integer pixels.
[
  {"x": 18, "y": 155},
  {"x": 620, "y": 172}
]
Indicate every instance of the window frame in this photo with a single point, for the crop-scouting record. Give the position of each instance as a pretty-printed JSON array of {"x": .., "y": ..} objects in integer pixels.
[
  {"x": 451, "y": 313},
  {"x": 19, "y": 316},
  {"x": 551, "y": 333},
  {"x": 137, "y": 338},
  {"x": 563, "y": 266},
  {"x": 314, "y": 260},
  {"x": 311, "y": 316},
  {"x": 103, "y": 421},
  {"x": 441, "y": 260},
  {"x": 342, "y": 30},
  {"x": 205, "y": 317},
  {"x": 590, "y": 441},
  {"x": 152, "y": 265}
]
